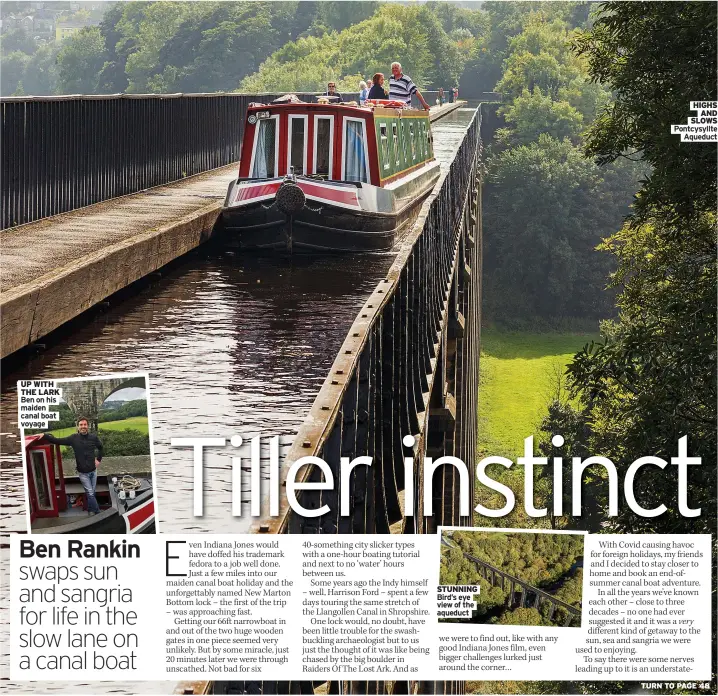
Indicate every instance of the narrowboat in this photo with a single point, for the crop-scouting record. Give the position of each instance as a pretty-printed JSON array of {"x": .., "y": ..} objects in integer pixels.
[
  {"x": 58, "y": 506},
  {"x": 329, "y": 177}
]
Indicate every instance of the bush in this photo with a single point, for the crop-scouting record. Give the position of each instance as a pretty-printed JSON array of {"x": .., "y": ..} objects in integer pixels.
[
  {"x": 119, "y": 443},
  {"x": 130, "y": 409},
  {"x": 124, "y": 443}
]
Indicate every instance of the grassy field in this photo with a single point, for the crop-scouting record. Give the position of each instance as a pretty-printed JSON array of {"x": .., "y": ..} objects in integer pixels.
[
  {"x": 519, "y": 375},
  {"x": 136, "y": 423}
]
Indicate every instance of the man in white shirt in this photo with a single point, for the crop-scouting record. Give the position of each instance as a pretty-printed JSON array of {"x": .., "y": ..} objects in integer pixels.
[{"x": 401, "y": 87}]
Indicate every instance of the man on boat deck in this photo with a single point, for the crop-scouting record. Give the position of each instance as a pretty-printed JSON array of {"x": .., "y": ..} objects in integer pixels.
[
  {"x": 83, "y": 443},
  {"x": 401, "y": 87},
  {"x": 332, "y": 93}
]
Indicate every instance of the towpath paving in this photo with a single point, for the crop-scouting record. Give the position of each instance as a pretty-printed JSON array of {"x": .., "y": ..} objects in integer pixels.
[{"x": 58, "y": 267}]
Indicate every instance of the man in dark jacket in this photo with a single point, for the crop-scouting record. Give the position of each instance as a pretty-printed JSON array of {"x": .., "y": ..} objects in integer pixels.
[
  {"x": 83, "y": 443},
  {"x": 332, "y": 93}
]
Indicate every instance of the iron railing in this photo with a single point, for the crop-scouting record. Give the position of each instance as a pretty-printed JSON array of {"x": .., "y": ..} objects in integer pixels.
[{"x": 63, "y": 153}]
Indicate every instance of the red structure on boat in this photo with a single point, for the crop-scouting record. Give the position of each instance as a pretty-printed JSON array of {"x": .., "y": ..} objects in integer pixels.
[
  {"x": 57, "y": 504},
  {"x": 335, "y": 177}
]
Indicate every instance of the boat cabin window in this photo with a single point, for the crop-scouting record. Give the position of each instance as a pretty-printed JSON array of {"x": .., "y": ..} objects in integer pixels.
[
  {"x": 265, "y": 149},
  {"x": 38, "y": 466},
  {"x": 298, "y": 144},
  {"x": 395, "y": 136},
  {"x": 355, "y": 162},
  {"x": 323, "y": 145},
  {"x": 384, "y": 145}
]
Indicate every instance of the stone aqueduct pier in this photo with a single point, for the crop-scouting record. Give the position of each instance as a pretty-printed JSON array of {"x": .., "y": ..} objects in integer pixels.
[{"x": 85, "y": 397}]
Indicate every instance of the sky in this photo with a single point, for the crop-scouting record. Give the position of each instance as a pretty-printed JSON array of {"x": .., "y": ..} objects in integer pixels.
[{"x": 128, "y": 394}]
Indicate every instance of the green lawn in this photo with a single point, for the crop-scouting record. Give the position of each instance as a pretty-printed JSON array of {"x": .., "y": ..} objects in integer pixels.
[
  {"x": 519, "y": 375},
  {"x": 136, "y": 423}
]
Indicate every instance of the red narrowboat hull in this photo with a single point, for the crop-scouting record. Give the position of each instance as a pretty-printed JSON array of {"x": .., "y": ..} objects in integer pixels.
[{"x": 336, "y": 216}]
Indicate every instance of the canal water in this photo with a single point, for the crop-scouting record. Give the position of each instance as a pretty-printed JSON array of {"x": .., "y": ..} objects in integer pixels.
[{"x": 234, "y": 344}]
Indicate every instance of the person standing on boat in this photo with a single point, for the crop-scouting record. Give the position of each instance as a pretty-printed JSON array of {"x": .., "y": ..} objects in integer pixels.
[
  {"x": 377, "y": 89},
  {"x": 363, "y": 92},
  {"x": 401, "y": 87},
  {"x": 332, "y": 93},
  {"x": 84, "y": 444}
]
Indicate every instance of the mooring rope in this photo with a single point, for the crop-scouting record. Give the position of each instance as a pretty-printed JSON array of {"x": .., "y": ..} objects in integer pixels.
[{"x": 128, "y": 483}]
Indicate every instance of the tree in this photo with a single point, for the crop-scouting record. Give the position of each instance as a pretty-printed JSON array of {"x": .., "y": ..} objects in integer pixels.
[
  {"x": 112, "y": 78},
  {"x": 571, "y": 422},
  {"x": 534, "y": 113},
  {"x": 542, "y": 70},
  {"x": 668, "y": 58},
  {"x": 484, "y": 67},
  {"x": 17, "y": 40},
  {"x": 545, "y": 210},
  {"x": 413, "y": 35},
  {"x": 156, "y": 24},
  {"x": 336, "y": 16},
  {"x": 214, "y": 51},
  {"x": 124, "y": 443},
  {"x": 79, "y": 62},
  {"x": 521, "y": 617},
  {"x": 12, "y": 70},
  {"x": 41, "y": 70},
  {"x": 502, "y": 21},
  {"x": 652, "y": 379}
]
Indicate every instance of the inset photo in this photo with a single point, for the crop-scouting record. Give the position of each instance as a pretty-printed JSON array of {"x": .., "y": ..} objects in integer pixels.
[
  {"x": 90, "y": 470},
  {"x": 525, "y": 578}
]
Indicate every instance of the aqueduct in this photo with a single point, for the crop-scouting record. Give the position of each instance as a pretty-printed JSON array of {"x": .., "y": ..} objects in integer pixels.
[{"x": 499, "y": 578}]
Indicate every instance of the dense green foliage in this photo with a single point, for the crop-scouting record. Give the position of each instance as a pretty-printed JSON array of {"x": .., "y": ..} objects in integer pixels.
[
  {"x": 538, "y": 559},
  {"x": 501, "y": 22},
  {"x": 546, "y": 207},
  {"x": 201, "y": 47},
  {"x": 129, "y": 409},
  {"x": 414, "y": 35},
  {"x": 668, "y": 53},
  {"x": 124, "y": 443},
  {"x": 550, "y": 562},
  {"x": 652, "y": 378},
  {"x": 169, "y": 46},
  {"x": 214, "y": 46},
  {"x": 80, "y": 61},
  {"x": 135, "y": 423}
]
